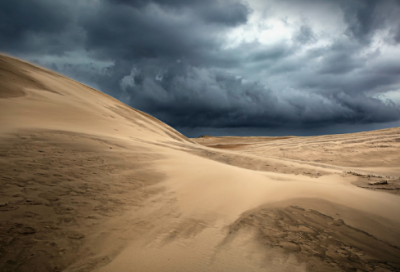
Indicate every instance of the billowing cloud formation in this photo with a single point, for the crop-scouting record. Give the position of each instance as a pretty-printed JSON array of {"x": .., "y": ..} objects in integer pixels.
[{"x": 227, "y": 66}]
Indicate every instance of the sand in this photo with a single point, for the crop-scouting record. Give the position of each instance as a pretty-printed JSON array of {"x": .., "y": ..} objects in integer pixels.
[{"x": 90, "y": 184}]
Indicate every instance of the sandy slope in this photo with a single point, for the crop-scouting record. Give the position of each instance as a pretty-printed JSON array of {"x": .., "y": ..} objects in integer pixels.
[{"x": 89, "y": 184}]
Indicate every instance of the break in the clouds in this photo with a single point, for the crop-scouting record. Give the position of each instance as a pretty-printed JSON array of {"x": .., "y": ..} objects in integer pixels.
[{"x": 224, "y": 67}]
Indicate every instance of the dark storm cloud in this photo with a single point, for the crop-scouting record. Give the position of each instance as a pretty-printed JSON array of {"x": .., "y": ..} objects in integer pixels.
[
  {"x": 231, "y": 102},
  {"x": 212, "y": 11},
  {"x": 150, "y": 33},
  {"x": 136, "y": 29},
  {"x": 396, "y": 35},
  {"x": 365, "y": 17},
  {"x": 304, "y": 35},
  {"x": 172, "y": 59},
  {"x": 341, "y": 58},
  {"x": 232, "y": 14},
  {"x": 361, "y": 17},
  {"x": 35, "y": 26}
]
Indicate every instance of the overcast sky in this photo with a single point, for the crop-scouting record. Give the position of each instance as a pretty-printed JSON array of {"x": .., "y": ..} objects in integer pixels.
[{"x": 256, "y": 67}]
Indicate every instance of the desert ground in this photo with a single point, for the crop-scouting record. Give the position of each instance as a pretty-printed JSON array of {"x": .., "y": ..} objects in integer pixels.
[{"x": 90, "y": 184}]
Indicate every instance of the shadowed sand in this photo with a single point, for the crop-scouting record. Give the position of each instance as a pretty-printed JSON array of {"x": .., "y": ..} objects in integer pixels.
[{"x": 90, "y": 184}]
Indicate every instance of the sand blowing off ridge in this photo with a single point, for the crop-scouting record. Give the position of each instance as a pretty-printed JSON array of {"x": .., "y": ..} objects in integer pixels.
[{"x": 90, "y": 184}]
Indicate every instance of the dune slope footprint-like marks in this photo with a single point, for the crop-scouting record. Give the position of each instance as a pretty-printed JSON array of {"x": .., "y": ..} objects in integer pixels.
[
  {"x": 59, "y": 189},
  {"x": 321, "y": 241}
]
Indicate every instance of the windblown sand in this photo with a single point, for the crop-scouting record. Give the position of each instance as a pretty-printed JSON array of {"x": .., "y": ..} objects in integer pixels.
[{"x": 90, "y": 184}]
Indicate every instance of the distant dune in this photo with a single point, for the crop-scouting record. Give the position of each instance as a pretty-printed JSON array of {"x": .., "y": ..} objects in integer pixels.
[{"x": 90, "y": 184}]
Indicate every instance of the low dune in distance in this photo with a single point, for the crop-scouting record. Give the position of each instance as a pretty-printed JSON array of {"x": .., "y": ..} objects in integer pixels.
[{"x": 90, "y": 184}]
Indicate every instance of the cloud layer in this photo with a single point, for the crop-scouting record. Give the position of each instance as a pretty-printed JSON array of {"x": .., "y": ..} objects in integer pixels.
[{"x": 224, "y": 67}]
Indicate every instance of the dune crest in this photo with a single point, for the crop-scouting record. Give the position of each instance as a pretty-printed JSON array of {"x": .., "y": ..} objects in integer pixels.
[{"x": 90, "y": 184}]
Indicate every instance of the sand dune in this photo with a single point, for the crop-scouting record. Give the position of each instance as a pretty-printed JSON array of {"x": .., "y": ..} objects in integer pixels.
[{"x": 90, "y": 184}]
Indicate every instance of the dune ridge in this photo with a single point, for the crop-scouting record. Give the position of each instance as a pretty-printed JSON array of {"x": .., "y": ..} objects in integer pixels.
[{"x": 90, "y": 184}]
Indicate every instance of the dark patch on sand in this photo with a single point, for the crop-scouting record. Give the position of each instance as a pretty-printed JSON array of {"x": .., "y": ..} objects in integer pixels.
[
  {"x": 322, "y": 242},
  {"x": 390, "y": 184}
]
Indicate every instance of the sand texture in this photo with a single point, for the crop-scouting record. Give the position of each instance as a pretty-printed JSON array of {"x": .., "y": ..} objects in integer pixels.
[{"x": 90, "y": 184}]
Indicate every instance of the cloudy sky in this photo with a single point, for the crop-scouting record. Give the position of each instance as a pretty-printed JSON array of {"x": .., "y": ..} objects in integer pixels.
[{"x": 224, "y": 67}]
